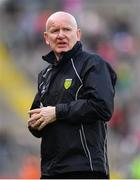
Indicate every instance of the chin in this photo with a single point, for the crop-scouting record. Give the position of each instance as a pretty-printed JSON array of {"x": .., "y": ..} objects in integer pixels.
[{"x": 62, "y": 50}]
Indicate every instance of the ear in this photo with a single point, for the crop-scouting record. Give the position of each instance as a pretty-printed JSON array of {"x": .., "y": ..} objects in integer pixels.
[
  {"x": 46, "y": 38},
  {"x": 78, "y": 34}
]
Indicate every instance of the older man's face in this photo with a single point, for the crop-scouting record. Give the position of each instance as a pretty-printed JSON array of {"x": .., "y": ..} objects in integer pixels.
[{"x": 61, "y": 34}]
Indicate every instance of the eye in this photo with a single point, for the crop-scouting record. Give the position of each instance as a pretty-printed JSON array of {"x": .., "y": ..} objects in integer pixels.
[
  {"x": 54, "y": 30},
  {"x": 67, "y": 29}
]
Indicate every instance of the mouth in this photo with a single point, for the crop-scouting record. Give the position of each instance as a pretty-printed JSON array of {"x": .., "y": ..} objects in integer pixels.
[{"x": 61, "y": 44}]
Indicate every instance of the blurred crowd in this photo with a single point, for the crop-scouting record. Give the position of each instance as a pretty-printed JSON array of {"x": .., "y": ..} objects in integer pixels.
[{"x": 112, "y": 35}]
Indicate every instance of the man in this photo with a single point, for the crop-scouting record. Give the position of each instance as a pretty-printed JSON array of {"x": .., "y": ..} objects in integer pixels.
[{"x": 72, "y": 106}]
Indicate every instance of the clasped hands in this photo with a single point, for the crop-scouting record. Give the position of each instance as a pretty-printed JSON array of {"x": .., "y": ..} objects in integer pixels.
[{"x": 40, "y": 117}]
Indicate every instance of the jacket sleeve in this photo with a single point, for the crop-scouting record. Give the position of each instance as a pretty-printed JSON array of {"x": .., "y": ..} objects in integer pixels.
[{"x": 96, "y": 97}]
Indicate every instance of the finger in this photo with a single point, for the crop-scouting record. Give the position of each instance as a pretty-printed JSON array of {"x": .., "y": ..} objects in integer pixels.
[
  {"x": 34, "y": 111},
  {"x": 30, "y": 123},
  {"x": 38, "y": 123},
  {"x": 35, "y": 117},
  {"x": 31, "y": 115},
  {"x": 42, "y": 125}
]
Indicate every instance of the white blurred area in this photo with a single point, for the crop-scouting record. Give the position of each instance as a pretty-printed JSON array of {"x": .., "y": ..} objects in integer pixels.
[{"x": 110, "y": 28}]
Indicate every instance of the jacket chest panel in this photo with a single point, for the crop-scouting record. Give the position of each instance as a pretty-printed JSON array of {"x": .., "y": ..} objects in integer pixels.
[
  {"x": 67, "y": 84},
  {"x": 63, "y": 86}
]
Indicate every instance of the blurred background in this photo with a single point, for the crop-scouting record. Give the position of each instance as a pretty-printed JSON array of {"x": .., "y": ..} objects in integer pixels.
[{"x": 110, "y": 28}]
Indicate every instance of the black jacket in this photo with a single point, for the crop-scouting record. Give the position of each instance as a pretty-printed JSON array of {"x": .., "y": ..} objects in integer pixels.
[{"x": 81, "y": 86}]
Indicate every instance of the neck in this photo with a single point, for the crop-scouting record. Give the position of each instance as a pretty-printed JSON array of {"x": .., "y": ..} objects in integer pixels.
[{"x": 58, "y": 56}]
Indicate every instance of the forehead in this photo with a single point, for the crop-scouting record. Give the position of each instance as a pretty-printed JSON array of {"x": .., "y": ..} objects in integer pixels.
[{"x": 60, "y": 21}]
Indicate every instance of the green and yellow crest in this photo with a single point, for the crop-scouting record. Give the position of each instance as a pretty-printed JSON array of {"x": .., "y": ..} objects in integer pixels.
[{"x": 67, "y": 83}]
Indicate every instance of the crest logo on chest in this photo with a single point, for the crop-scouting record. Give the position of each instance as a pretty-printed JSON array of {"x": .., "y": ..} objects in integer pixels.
[{"x": 67, "y": 83}]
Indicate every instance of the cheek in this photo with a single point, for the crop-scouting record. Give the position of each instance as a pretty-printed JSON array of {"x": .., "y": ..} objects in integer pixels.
[
  {"x": 72, "y": 40},
  {"x": 52, "y": 40}
]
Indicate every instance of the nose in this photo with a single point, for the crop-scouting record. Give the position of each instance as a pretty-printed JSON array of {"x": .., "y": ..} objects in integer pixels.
[{"x": 61, "y": 34}]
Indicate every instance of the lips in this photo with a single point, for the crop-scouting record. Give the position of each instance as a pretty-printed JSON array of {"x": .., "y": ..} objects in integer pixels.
[{"x": 61, "y": 44}]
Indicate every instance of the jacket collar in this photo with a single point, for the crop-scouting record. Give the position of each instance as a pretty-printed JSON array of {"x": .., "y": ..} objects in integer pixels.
[{"x": 51, "y": 58}]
